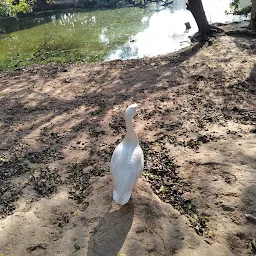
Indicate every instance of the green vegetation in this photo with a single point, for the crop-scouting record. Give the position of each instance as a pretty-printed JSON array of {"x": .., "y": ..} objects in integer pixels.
[
  {"x": 66, "y": 37},
  {"x": 235, "y": 8},
  {"x": 12, "y": 8}
]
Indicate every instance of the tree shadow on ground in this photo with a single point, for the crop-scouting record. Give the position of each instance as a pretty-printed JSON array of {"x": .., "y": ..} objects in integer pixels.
[
  {"x": 41, "y": 107},
  {"x": 78, "y": 113},
  {"x": 244, "y": 238},
  {"x": 245, "y": 42}
]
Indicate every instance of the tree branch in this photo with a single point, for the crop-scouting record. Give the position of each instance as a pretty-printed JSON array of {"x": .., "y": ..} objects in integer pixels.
[
  {"x": 46, "y": 40},
  {"x": 35, "y": 54}
]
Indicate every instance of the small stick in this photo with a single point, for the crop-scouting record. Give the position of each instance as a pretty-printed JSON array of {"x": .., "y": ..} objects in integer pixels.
[{"x": 250, "y": 217}]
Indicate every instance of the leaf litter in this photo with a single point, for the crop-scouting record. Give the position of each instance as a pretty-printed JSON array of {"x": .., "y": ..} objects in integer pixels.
[{"x": 163, "y": 175}]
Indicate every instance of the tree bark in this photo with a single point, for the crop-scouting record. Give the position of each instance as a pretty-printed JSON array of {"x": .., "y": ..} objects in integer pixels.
[
  {"x": 40, "y": 5},
  {"x": 197, "y": 10},
  {"x": 252, "y": 25}
]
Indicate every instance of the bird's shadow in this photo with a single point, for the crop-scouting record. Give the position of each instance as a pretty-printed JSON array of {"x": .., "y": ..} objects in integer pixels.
[{"x": 108, "y": 237}]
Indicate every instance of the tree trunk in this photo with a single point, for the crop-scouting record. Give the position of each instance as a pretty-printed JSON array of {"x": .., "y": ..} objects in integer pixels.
[
  {"x": 40, "y": 5},
  {"x": 252, "y": 25},
  {"x": 197, "y": 10}
]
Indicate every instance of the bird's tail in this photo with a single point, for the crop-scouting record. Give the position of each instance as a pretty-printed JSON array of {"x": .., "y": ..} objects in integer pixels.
[{"x": 121, "y": 198}]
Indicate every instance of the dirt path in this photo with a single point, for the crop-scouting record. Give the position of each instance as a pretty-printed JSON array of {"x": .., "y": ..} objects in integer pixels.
[{"x": 196, "y": 124}]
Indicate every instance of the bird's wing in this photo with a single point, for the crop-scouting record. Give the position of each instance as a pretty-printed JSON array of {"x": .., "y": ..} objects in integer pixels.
[
  {"x": 138, "y": 161},
  {"x": 116, "y": 162},
  {"x": 126, "y": 167},
  {"x": 116, "y": 156}
]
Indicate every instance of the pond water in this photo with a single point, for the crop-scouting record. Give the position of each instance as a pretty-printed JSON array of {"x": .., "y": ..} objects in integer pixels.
[{"x": 98, "y": 35}]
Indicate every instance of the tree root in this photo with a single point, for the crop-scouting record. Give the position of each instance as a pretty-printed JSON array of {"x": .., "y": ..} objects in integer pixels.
[
  {"x": 248, "y": 33},
  {"x": 205, "y": 36}
]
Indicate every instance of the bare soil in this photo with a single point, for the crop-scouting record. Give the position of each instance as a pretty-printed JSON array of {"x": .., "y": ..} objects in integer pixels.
[{"x": 196, "y": 124}]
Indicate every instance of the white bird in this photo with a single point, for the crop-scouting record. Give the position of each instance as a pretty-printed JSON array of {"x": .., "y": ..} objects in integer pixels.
[{"x": 127, "y": 161}]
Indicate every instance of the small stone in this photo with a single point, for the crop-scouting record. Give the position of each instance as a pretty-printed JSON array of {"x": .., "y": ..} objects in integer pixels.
[
  {"x": 77, "y": 247},
  {"x": 188, "y": 26},
  {"x": 227, "y": 208},
  {"x": 250, "y": 217},
  {"x": 241, "y": 235},
  {"x": 140, "y": 230}
]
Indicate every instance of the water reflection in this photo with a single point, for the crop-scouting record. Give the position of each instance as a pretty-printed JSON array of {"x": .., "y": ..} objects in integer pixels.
[
  {"x": 103, "y": 38},
  {"x": 167, "y": 32},
  {"x": 73, "y": 19}
]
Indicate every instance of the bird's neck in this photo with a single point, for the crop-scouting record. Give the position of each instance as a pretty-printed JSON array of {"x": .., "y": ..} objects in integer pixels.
[{"x": 130, "y": 133}]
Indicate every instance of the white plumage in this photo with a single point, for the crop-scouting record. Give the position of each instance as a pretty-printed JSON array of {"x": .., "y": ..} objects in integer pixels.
[{"x": 127, "y": 161}]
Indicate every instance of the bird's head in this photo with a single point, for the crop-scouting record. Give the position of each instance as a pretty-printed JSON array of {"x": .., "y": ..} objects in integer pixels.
[{"x": 131, "y": 110}]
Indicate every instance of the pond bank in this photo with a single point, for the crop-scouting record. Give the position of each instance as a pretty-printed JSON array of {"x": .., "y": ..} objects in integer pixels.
[
  {"x": 58, "y": 130},
  {"x": 64, "y": 4},
  {"x": 72, "y": 36}
]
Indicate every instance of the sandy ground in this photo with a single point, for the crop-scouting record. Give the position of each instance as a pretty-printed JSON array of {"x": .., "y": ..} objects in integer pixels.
[{"x": 196, "y": 123}]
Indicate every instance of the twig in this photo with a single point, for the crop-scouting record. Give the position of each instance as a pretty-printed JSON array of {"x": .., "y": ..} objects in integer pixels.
[
  {"x": 46, "y": 40},
  {"x": 250, "y": 217},
  {"x": 35, "y": 54}
]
